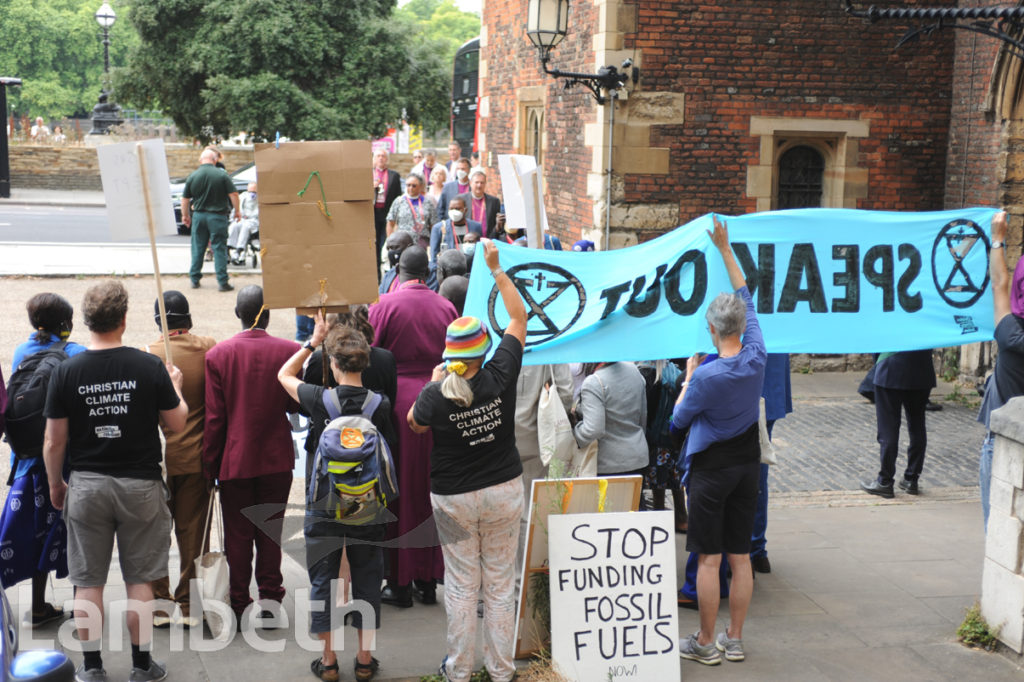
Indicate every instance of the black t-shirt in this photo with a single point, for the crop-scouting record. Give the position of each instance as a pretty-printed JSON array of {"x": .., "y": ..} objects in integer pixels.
[
  {"x": 351, "y": 398},
  {"x": 381, "y": 375},
  {"x": 475, "y": 446},
  {"x": 1008, "y": 375},
  {"x": 112, "y": 400}
]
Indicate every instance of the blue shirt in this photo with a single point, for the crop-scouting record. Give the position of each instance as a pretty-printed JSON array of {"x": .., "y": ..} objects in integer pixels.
[
  {"x": 31, "y": 347},
  {"x": 722, "y": 397}
]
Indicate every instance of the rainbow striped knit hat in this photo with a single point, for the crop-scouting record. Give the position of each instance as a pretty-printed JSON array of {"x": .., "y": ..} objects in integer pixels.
[{"x": 465, "y": 339}]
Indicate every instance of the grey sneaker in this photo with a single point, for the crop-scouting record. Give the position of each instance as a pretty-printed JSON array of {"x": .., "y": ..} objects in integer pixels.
[
  {"x": 732, "y": 648},
  {"x": 91, "y": 675},
  {"x": 156, "y": 671},
  {"x": 690, "y": 649}
]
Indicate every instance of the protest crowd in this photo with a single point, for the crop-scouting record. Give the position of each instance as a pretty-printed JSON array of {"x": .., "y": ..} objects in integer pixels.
[{"x": 423, "y": 423}]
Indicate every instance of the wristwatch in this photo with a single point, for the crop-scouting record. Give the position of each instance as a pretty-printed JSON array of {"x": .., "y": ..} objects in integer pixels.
[
  {"x": 998, "y": 245},
  {"x": 309, "y": 346}
]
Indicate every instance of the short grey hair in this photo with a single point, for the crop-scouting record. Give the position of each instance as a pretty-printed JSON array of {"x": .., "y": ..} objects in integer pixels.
[
  {"x": 728, "y": 312},
  {"x": 477, "y": 171},
  {"x": 416, "y": 176}
]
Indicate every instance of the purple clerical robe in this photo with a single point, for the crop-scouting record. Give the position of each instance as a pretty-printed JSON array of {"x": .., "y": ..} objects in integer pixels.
[{"x": 411, "y": 323}]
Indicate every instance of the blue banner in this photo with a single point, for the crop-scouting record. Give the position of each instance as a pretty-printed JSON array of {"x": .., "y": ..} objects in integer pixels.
[{"x": 823, "y": 281}]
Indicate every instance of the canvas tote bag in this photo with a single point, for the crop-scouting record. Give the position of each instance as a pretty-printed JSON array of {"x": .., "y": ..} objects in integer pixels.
[{"x": 212, "y": 574}]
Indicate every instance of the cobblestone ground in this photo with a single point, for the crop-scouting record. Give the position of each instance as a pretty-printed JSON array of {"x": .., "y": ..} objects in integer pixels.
[{"x": 830, "y": 444}]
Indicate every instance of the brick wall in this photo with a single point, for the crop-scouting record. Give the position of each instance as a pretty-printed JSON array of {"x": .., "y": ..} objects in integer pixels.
[
  {"x": 513, "y": 63},
  {"x": 733, "y": 60},
  {"x": 77, "y": 168},
  {"x": 801, "y": 58},
  {"x": 975, "y": 135}
]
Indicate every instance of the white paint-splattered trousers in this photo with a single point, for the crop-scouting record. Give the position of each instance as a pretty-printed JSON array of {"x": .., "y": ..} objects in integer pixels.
[{"x": 479, "y": 533}]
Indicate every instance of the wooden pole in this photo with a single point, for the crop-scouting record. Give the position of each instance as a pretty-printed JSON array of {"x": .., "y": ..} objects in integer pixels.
[{"x": 141, "y": 152}]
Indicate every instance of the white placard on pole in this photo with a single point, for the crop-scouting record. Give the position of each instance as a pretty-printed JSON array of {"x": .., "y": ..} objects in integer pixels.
[
  {"x": 135, "y": 186},
  {"x": 524, "y": 201},
  {"x": 126, "y": 194},
  {"x": 613, "y": 596}
]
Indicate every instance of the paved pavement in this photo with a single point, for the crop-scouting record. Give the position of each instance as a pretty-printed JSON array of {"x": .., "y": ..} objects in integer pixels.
[
  {"x": 117, "y": 259},
  {"x": 52, "y": 197},
  {"x": 861, "y": 588}
]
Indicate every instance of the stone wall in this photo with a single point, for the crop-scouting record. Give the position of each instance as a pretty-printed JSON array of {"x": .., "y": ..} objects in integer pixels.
[
  {"x": 77, "y": 168},
  {"x": 1002, "y": 581}
]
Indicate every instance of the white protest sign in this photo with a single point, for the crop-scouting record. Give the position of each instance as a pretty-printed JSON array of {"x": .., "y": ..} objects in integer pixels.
[
  {"x": 524, "y": 201},
  {"x": 123, "y": 189},
  {"x": 613, "y": 596}
]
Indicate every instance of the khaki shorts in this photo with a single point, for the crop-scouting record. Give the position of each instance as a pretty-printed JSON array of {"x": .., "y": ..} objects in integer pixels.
[{"x": 99, "y": 508}]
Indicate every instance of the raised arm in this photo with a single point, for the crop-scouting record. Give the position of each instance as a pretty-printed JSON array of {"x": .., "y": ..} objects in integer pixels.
[
  {"x": 289, "y": 373},
  {"x": 509, "y": 294},
  {"x": 997, "y": 268},
  {"x": 720, "y": 238}
]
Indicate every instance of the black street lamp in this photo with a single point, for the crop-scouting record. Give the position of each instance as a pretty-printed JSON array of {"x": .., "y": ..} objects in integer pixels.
[
  {"x": 546, "y": 25},
  {"x": 5, "y": 163},
  {"x": 105, "y": 113}
]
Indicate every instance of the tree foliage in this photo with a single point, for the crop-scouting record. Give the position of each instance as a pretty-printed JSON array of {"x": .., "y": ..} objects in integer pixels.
[
  {"x": 441, "y": 21},
  {"x": 315, "y": 69},
  {"x": 56, "y": 48}
]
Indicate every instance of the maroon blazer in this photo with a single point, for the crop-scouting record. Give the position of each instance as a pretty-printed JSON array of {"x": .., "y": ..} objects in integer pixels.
[{"x": 246, "y": 432}]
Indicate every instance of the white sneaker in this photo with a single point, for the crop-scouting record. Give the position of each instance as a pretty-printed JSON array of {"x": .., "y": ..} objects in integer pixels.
[{"x": 732, "y": 648}]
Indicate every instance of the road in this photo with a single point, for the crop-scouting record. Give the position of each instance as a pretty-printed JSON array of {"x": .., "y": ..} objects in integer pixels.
[{"x": 63, "y": 225}]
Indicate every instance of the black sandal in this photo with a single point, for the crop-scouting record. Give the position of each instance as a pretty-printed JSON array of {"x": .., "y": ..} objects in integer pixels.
[
  {"x": 366, "y": 671},
  {"x": 49, "y": 614},
  {"x": 327, "y": 673}
]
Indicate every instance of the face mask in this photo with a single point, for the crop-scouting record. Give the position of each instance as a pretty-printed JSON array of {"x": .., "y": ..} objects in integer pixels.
[
  {"x": 456, "y": 215},
  {"x": 461, "y": 175}
]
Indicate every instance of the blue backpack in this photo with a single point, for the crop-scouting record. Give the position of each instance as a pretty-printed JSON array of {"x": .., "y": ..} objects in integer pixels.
[{"x": 354, "y": 477}]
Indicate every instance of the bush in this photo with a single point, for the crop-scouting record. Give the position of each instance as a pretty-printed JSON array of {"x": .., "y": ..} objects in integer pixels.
[{"x": 976, "y": 632}]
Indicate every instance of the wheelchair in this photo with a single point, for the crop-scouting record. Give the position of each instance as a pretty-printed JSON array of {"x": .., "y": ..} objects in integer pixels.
[{"x": 250, "y": 252}]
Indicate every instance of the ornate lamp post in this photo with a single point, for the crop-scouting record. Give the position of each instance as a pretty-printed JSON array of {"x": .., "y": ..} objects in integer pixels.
[
  {"x": 5, "y": 163},
  {"x": 105, "y": 113},
  {"x": 546, "y": 25}
]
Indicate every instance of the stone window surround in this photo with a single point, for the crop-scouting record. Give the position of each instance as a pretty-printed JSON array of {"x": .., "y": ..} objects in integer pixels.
[
  {"x": 836, "y": 139},
  {"x": 529, "y": 99}
]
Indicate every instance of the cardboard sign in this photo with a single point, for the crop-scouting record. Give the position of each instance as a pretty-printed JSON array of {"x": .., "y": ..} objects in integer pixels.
[
  {"x": 561, "y": 496},
  {"x": 123, "y": 192},
  {"x": 613, "y": 596},
  {"x": 318, "y": 246},
  {"x": 524, "y": 202}
]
